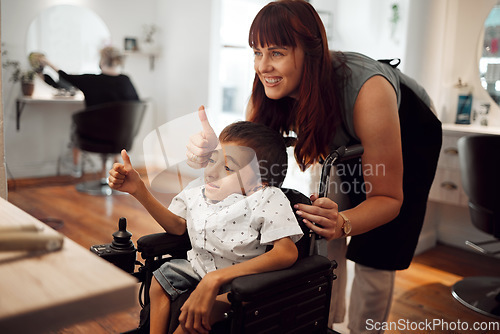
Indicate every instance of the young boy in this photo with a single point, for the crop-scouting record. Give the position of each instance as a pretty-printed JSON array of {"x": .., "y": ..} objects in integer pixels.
[{"x": 231, "y": 214}]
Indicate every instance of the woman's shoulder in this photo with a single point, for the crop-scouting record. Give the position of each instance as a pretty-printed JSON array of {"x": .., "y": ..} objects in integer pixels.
[{"x": 362, "y": 68}]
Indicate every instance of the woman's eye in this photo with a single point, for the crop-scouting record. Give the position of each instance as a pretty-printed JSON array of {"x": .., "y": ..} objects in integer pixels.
[
  {"x": 277, "y": 54},
  {"x": 257, "y": 53},
  {"x": 211, "y": 161},
  {"x": 228, "y": 169}
]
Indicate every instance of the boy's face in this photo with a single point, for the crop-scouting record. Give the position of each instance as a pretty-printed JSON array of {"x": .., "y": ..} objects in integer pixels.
[{"x": 232, "y": 169}]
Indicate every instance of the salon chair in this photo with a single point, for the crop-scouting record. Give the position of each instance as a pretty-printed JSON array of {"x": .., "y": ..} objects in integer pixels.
[
  {"x": 106, "y": 129},
  {"x": 479, "y": 164}
]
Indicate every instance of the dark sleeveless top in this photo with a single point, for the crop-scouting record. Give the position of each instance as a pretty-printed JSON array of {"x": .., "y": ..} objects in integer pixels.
[
  {"x": 391, "y": 246},
  {"x": 361, "y": 69}
]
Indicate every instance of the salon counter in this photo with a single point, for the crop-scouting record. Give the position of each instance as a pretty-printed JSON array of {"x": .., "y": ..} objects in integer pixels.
[
  {"x": 72, "y": 103},
  {"x": 41, "y": 292}
]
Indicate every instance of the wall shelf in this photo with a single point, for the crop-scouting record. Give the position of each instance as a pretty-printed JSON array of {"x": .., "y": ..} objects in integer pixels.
[{"x": 152, "y": 56}]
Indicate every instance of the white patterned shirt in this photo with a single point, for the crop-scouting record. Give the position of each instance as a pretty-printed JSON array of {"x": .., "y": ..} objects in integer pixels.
[{"x": 235, "y": 229}]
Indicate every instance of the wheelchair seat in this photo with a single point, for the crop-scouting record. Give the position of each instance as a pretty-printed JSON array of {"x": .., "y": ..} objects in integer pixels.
[{"x": 292, "y": 300}]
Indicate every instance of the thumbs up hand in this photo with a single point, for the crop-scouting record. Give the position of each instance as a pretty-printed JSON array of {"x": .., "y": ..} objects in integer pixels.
[
  {"x": 201, "y": 145},
  {"x": 123, "y": 176}
]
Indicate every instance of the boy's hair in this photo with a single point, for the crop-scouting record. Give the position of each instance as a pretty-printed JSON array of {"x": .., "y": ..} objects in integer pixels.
[{"x": 268, "y": 144}]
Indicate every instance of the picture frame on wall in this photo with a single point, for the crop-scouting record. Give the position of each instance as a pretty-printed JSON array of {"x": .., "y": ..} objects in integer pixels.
[{"x": 130, "y": 44}]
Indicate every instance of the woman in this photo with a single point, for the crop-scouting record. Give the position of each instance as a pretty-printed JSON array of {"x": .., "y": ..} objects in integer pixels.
[
  {"x": 108, "y": 86},
  {"x": 329, "y": 99}
]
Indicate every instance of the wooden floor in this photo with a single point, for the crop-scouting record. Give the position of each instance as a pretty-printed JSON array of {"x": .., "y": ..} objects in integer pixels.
[{"x": 422, "y": 293}]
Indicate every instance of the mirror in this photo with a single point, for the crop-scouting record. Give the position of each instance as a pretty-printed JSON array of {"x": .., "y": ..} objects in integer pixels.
[
  {"x": 489, "y": 63},
  {"x": 70, "y": 37}
]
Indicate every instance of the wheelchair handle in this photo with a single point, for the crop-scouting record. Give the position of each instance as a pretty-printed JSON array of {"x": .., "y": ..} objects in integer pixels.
[
  {"x": 353, "y": 151},
  {"x": 340, "y": 154},
  {"x": 318, "y": 245},
  {"x": 330, "y": 160}
]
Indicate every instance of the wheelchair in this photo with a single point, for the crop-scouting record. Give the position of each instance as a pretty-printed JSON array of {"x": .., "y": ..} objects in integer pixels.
[{"x": 292, "y": 300}]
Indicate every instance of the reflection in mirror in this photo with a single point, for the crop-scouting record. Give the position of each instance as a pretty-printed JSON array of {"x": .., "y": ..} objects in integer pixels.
[
  {"x": 489, "y": 63},
  {"x": 70, "y": 37}
]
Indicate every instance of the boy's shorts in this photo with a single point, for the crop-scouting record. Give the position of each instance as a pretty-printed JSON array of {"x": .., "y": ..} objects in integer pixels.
[{"x": 176, "y": 277}]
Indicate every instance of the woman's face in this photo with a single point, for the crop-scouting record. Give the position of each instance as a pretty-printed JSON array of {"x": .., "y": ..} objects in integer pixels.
[{"x": 279, "y": 69}]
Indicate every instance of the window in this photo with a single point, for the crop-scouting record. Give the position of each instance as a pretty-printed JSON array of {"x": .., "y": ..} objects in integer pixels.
[{"x": 232, "y": 68}]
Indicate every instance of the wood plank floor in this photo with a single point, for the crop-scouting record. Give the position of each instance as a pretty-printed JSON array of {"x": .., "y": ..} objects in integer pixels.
[{"x": 422, "y": 293}]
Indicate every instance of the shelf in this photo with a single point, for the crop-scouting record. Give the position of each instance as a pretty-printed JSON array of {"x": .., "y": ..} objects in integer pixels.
[{"x": 152, "y": 55}]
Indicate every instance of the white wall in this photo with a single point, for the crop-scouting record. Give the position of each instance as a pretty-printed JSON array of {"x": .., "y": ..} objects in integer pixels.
[
  {"x": 3, "y": 172},
  {"x": 463, "y": 33},
  {"x": 365, "y": 26},
  {"x": 178, "y": 84},
  {"x": 182, "y": 85}
]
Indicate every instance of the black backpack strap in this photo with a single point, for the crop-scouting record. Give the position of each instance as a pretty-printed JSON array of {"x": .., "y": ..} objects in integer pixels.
[{"x": 394, "y": 62}]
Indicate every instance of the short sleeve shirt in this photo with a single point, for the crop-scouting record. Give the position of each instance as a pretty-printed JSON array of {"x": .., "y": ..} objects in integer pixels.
[{"x": 235, "y": 229}]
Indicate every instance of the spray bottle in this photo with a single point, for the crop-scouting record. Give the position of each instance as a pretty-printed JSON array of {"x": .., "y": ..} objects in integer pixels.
[{"x": 464, "y": 103}]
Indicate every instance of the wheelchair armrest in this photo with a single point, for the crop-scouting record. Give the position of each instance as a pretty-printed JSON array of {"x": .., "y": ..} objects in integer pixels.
[
  {"x": 157, "y": 244},
  {"x": 252, "y": 287}
]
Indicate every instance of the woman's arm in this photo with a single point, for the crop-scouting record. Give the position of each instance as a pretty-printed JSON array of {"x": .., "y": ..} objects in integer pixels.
[
  {"x": 196, "y": 310},
  {"x": 45, "y": 62},
  {"x": 376, "y": 122},
  {"x": 124, "y": 177}
]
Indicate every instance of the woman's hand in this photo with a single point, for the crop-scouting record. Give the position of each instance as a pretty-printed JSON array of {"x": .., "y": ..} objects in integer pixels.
[
  {"x": 321, "y": 216},
  {"x": 124, "y": 177},
  {"x": 195, "y": 313},
  {"x": 201, "y": 145}
]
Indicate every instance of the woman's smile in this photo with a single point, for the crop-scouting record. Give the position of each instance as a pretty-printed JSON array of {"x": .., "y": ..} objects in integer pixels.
[
  {"x": 272, "y": 81},
  {"x": 279, "y": 69}
]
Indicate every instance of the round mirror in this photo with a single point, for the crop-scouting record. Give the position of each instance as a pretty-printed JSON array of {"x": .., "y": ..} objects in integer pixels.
[
  {"x": 70, "y": 37},
  {"x": 489, "y": 63}
]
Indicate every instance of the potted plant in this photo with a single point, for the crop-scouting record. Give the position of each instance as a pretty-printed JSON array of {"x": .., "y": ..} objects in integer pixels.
[{"x": 26, "y": 77}]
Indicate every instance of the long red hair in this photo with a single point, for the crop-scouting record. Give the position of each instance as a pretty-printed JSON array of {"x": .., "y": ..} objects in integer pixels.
[{"x": 314, "y": 115}]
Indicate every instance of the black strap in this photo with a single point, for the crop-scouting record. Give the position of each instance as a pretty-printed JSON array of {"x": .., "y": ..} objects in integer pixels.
[{"x": 394, "y": 62}]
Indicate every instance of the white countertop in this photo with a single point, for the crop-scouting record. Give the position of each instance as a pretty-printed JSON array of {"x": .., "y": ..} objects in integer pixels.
[
  {"x": 467, "y": 128},
  {"x": 78, "y": 99},
  {"x": 41, "y": 292}
]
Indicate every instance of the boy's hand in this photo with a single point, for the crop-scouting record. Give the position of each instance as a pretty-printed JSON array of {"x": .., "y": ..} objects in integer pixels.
[
  {"x": 201, "y": 145},
  {"x": 124, "y": 177},
  {"x": 195, "y": 313}
]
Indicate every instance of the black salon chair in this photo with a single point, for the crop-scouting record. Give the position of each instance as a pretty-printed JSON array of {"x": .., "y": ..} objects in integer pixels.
[
  {"x": 106, "y": 129},
  {"x": 480, "y": 163}
]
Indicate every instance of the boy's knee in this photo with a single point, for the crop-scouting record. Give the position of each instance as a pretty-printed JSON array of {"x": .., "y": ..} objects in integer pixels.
[{"x": 155, "y": 289}]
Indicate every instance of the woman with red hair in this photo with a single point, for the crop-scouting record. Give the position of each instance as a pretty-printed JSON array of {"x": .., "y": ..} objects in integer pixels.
[{"x": 328, "y": 99}]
